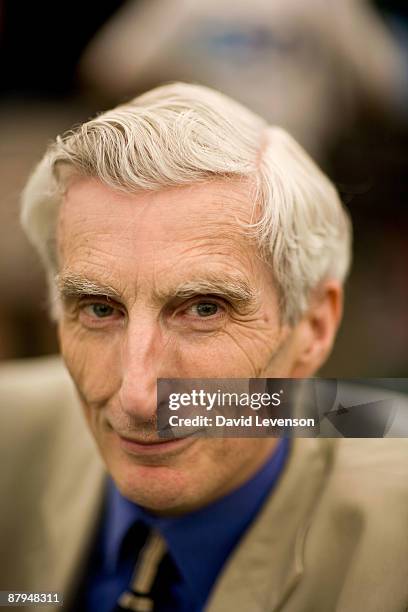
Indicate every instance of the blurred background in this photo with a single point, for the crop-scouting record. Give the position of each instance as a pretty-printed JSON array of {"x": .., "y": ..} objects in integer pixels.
[{"x": 332, "y": 72}]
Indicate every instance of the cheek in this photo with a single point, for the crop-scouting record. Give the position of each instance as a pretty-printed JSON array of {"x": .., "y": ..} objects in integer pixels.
[
  {"x": 92, "y": 362},
  {"x": 198, "y": 357},
  {"x": 238, "y": 351}
]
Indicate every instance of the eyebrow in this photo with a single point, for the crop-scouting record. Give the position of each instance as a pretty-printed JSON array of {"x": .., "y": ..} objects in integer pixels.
[
  {"x": 75, "y": 285},
  {"x": 232, "y": 287},
  {"x": 236, "y": 289}
]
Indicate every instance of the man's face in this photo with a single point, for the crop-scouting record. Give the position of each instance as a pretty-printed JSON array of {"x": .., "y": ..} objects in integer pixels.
[{"x": 164, "y": 285}]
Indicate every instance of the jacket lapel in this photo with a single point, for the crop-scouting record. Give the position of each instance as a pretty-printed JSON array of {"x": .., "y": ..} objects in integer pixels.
[
  {"x": 70, "y": 509},
  {"x": 268, "y": 562}
]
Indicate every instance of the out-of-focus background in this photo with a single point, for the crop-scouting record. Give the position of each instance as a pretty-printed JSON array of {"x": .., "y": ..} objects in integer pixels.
[{"x": 333, "y": 72}]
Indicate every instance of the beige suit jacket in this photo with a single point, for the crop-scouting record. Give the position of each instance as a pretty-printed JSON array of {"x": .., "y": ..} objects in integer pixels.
[{"x": 333, "y": 536}]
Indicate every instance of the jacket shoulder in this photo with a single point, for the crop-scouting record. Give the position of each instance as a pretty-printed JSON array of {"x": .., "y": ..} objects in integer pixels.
[
  {"x": 31, "y": 388},
  {"x": 358, "y": 538},
  {"x": 53, "y": 481},
  {"x": 363, "y": 469},
  {"x": 38, "y": 406}
]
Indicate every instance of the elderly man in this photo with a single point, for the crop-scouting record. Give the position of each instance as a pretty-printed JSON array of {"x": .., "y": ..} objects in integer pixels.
[{"x": 184, "y": 237}]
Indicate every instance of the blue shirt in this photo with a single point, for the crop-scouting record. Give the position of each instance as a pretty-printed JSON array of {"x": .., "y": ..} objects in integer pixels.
[{"x": 199, "y": 543}]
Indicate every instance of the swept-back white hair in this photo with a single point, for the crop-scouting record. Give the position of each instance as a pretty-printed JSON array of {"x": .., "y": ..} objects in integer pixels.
[{"x": 181, "y": 134}]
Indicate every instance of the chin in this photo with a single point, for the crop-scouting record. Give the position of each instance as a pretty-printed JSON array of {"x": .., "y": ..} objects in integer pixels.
[{"x": 158, "y": 488}]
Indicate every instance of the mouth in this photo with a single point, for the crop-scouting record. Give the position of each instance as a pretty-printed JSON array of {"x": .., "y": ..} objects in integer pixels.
[{"x": 142, "y": 448}]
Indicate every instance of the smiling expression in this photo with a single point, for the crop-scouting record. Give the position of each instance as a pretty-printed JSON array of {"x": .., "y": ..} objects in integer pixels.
[{"x": 164, "y": 284}]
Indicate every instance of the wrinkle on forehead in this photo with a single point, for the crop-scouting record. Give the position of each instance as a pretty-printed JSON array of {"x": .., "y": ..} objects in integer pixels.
[
  {"x": 219, "y": 202},
  {"x": 186, "y": 235}
]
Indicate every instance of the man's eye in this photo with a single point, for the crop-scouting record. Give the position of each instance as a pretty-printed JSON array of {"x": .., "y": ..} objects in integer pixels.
[
  {"x": 100, "y": 311},
  {"x": 205, "y": 309}
]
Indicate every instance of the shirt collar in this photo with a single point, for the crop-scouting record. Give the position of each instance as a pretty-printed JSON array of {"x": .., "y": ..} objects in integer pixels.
[{"x": 213, "y": 530}]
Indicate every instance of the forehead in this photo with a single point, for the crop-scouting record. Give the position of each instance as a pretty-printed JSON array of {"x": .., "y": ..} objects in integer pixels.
[
  {"x": 211, "y": 215},
  {"x": 175, "y": 208}
]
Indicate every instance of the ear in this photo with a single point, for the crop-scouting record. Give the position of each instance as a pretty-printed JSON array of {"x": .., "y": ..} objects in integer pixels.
[{"x": 316, "y": 331}]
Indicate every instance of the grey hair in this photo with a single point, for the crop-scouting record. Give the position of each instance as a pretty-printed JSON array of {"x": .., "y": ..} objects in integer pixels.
[{"x": 181, "y": 134}]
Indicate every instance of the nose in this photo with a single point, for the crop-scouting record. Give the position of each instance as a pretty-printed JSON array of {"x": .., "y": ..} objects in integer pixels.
[{"x": 142, "y": 357}]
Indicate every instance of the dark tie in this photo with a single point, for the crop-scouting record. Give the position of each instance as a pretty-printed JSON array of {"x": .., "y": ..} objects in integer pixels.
[{"x": 139, "y": 596}]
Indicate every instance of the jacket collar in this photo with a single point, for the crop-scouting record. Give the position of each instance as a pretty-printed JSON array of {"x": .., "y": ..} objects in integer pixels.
[{"x": 269, "y": 562}]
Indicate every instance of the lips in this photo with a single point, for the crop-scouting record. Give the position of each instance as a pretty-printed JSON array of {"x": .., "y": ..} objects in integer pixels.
[
  {"x": 154, "y": 447},
  {"x": 143, "y": 442}
]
